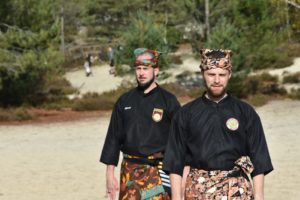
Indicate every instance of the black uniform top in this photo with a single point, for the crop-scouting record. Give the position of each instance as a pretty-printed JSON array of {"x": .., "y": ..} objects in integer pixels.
[
  {"x": 212, "y": 136},
  {"x": 139, "y": 124}
]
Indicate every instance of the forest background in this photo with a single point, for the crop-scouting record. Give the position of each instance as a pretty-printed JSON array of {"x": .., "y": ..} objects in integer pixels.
[{"x": 37, "y": 38}]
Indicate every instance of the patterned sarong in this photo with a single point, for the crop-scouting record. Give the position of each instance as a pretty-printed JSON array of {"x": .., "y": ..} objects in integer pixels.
[
  {"x": 221, "y": 185},
  {"x": 140, "y": 181}
]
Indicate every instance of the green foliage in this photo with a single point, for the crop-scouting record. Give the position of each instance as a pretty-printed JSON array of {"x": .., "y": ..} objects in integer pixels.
[
  {"x": 236, "y": 86},
  {"x": 142, "y": 32},
  {"x": 173, "y": 37},
  {"x": 249, "y": 28},
  {"x": 28, "y": 59}
]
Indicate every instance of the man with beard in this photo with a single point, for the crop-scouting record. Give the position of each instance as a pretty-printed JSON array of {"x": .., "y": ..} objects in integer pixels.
[
  {"x": 139, "y": 128},
  {"x": 220, "y": 138}
]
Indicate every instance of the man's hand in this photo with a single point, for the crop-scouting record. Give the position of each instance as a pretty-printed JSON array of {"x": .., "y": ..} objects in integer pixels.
[{"x": 112, "y": 185}]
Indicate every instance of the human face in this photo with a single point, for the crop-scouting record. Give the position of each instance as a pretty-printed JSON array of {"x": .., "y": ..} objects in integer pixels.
[
  {"x": 216, "y": 81},
  {"x": 145, "y": 76}
]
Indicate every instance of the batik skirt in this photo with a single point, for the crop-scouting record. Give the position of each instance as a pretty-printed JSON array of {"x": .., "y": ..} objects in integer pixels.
[
  {"x": 140, "y": 182},
  {"x": 221, "y": 185}
]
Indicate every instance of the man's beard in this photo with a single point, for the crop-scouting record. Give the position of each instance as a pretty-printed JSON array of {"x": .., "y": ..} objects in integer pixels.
[
  {"x": 215, "y": 95},
  {"x": 144, "y": 86}
]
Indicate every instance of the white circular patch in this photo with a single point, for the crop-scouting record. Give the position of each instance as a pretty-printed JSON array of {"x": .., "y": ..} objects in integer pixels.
[
  {"x": 156, "y": 117},
  {"x": 232, "y": 124}
]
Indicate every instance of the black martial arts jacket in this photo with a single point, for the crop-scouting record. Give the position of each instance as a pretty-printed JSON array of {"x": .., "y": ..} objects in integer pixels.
[
  {"x": 139, "y": 124},
  {"x": 212, "y": 136}
]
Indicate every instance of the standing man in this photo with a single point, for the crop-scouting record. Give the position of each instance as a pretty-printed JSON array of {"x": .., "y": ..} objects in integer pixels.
[
  {"x": 111, "y": 59},
  {"x": 220, "y": 137},
  {"x": 139, "y": 127}
]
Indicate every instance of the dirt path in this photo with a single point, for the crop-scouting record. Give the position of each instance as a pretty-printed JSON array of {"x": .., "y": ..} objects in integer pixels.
[
  {"x": 60, "y": 160},
  {"x": 99, "y": 82}
]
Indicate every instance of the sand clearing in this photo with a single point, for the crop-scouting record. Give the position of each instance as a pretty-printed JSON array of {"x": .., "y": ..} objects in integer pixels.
[{"x": 60, "y": 160}]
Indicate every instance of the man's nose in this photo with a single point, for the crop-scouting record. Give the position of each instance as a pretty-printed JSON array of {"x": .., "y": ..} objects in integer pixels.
[
  {"x": 141, "y": 72},
  {"x": 217, "y": 79}
]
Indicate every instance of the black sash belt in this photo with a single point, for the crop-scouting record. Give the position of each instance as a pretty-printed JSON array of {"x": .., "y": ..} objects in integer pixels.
[{"x": 145, "y": 161}]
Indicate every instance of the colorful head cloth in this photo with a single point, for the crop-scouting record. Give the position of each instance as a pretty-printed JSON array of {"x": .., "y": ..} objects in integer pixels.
[
  {"x": 213, "y": 58},
  {"x": 146, "y": 57}
]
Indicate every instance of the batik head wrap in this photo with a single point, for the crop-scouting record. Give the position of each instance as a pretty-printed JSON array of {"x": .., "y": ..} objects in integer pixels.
[
  {"x": 146, "y": 57},
  {"x": 214, "y": 58}
]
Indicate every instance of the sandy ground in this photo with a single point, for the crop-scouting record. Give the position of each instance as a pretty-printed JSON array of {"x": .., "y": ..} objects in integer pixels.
[
  {"x": 60, "y": 160},
  {"x": 99, "y": 82},
  {"x": 47, "y": 161}
]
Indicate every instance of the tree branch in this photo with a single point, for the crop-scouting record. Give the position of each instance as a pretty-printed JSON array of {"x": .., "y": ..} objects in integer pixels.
[{"x": 293, "y": 4}]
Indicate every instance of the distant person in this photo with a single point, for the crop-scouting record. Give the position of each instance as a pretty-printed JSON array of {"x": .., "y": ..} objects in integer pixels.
[
  {"x": 111, "y": 60},
  {"x": 139, "y": 128},
  {"x": 88, "y": 65},
  {"x": 220, "y": 137}
]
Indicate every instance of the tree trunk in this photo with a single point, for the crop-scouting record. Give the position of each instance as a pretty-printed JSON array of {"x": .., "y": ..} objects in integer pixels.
[{"x": 207, "y": 19}]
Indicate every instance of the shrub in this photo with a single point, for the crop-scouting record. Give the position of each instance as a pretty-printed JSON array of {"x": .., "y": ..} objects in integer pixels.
[
  {"x": 258, "y": 99},
  {"x": 294, "y": 94},
  {"x": 18, "y": 114},
  {"x": 104, "y": 101},
  {"x": 292, "y": 78},
  {"x": 262, "y": 84},
  {"x": 175, "y": 88}
]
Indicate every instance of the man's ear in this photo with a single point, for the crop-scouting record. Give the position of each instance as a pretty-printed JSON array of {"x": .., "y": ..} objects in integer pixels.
[{"x": 230, "y": 72}]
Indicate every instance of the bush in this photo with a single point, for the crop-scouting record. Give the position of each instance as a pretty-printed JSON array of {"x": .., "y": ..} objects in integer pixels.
[
  {"x": 262, "y": 84},
  {"x": 92, "y": 101},
  {"x": 104, "y": 101},
  {"x": 13, "y": 114},
  {"x": 258, "y": 99},
  {"x": 294, "y": 94},
  {"x": 176, "y": 59},
  {"x": 180, "y": 91},
  {"x": 293, "y": 78},
  {"x": 174, "y": 88}
]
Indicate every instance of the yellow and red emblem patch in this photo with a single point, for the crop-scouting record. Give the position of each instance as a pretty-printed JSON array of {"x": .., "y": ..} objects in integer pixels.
[{"x": 157, "y": 114}]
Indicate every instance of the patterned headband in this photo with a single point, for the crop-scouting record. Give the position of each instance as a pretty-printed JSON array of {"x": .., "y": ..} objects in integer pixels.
[
  {"x": 146, "y": 57},
  {"x": 214, "y": 58}
]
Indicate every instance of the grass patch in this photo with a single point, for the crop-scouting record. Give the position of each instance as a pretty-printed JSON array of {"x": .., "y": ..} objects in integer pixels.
[{"x": 15, "y": 114}]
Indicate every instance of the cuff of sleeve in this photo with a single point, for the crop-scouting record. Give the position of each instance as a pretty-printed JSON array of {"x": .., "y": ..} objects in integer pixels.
[
  {"x": 265, "y": 172},
  {"x": 173, "y": 171}
]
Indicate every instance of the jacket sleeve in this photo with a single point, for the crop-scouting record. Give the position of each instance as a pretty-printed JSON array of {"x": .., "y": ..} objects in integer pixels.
[
  {"x": 111, "y": 149},
  {"x": 174, "y": 159},
  {"x": 257, "y": 146},
  {"x": 174, "y": 106}
]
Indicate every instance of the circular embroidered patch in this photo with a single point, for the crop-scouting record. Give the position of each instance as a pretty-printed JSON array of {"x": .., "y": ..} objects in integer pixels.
[{"x": 232, "y": 124}]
